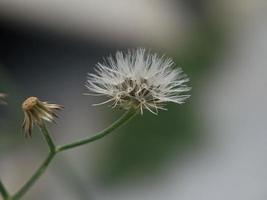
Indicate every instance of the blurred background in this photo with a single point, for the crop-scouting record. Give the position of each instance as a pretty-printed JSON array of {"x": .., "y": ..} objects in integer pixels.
[{"x": 211, "y": 148}]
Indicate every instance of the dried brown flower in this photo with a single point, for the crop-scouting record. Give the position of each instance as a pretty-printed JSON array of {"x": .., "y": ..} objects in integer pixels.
[
  {"x": 2, "y": 98},
  {"x": 36, "y": 112}
]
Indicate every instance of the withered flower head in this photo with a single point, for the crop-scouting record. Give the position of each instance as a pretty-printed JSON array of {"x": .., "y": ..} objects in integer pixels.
[
  {"x": 2, "y": 98},
  {"x": 36, "y": 112}
]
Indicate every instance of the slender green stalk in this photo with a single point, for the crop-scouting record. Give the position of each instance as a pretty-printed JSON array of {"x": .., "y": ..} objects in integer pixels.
[
  {"x": 49, "y": 140},
  {"x": 43, "y": 166},
  {"x": 3, "y": 191},
  {"x": 34, "y": 177},
  {"x": 54, "y": 150},
  {"x": 123, "y": 119}
]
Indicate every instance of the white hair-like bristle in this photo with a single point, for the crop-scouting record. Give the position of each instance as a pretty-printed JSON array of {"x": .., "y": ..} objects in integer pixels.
[{"x": 139, "y": 79}]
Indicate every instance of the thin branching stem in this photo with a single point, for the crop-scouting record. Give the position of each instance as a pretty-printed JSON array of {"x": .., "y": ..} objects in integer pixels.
[
  {"x": 122, "y": 120},
  {"x": 4, "y": 192},
  {"x": 39, "y": 172},
  {"x": 54, "y": 150}
]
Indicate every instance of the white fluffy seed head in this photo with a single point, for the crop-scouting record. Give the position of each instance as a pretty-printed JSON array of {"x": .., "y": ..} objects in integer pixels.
[{"x": 139, "y": 79}]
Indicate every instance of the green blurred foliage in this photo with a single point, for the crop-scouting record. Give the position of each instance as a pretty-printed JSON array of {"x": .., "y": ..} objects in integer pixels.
[{"x": 145, "y": 144}]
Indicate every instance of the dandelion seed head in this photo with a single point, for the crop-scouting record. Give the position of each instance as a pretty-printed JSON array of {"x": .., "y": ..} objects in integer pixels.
[{"x": 139, "y": 79}]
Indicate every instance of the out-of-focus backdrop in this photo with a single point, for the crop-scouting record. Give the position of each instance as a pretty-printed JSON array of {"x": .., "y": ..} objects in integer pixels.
[{"x": 212, "y": 148}]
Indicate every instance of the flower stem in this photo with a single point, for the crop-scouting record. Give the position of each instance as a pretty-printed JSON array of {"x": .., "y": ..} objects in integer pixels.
[
  {"x": 54, "y": 150},
  {"x": 43, "y": 166},
  {"x": 3, "y": 191},
  {"x": 34, "y": 177},
  {"x": 49, "y": 140},
  {"x": 123, "y": 119}
]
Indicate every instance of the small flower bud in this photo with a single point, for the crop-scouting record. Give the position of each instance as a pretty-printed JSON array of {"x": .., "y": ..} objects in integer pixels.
[{"x": 36, "y": 111}]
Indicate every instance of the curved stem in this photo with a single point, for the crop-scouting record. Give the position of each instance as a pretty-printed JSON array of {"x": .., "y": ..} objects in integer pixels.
[
  {"x": 54, "y": 150},
  {"x": 123, "y": 119},
  {"x": 3, "y": 191}
]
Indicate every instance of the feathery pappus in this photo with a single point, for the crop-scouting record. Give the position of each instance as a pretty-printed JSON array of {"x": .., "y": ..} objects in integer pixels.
[{"x": 138, "y": 79}]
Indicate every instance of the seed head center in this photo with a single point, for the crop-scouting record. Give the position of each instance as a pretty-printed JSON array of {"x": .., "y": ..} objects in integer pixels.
[{"x": 29, "y": 103}]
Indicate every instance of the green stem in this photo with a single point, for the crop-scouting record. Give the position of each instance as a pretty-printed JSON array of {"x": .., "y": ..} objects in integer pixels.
[
  {"x": 54, "y": 150},
  {"x": 123, "y": 119},
  {"x": 34, "y": 177},
  {"x": 43, "y": 166},
  {"x": 3, "y": 191},
  {"x": 49, "y": 140}
]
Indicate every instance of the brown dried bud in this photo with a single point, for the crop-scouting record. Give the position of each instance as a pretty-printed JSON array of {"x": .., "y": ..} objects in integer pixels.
[
  {"x": 2, "y": 98},
  {"x": 36, "y": 112}
]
